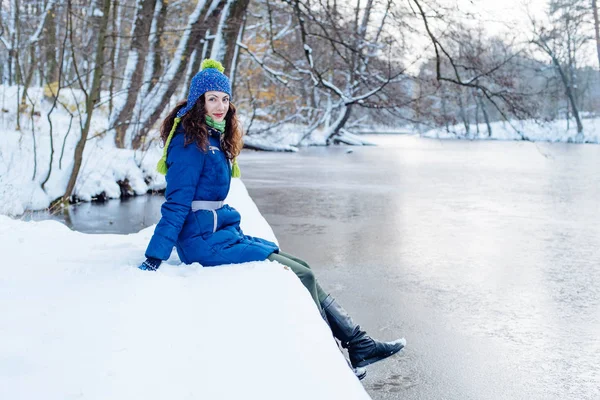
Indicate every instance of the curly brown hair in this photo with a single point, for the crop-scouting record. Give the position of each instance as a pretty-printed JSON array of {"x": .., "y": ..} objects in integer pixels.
[{"x": 196, "y": 130}]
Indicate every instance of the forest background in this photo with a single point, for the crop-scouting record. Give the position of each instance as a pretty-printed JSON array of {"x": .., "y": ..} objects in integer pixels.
[{"x": 332, "y": 68}]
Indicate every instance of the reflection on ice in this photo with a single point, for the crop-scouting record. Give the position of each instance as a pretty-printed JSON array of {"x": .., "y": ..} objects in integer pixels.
[{"x": 491, "y": 250}]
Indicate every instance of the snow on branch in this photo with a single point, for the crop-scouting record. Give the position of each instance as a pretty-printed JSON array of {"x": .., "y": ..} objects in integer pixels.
[
  {"x": 276, "y": 74},
  {"x": 5, "y": 43},
  {"x": 213, "y": 6},
  {"x": 308, "y": 51},
  {"x": 285, "y": 30},
  {"x": 348, "y": 98},
  {"x": 218, "y": 47},
  {"x": 346, "y": 137}
]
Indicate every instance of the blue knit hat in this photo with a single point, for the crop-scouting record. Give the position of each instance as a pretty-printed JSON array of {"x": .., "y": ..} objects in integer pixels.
[{"x": 209, "y": 78}]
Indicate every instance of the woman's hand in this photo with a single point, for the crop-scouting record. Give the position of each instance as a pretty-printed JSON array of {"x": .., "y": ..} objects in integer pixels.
[{"x": 151, "y": 264}]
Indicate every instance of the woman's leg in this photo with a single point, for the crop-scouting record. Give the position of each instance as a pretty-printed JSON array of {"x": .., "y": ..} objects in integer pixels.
[
  {"x": 363, "y": 349},
  {"x": 303, "y": 272},
  {"x": 322, "y": 295}
]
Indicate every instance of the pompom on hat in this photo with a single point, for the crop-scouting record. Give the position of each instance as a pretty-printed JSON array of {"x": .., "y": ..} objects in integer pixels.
[{"x": 210, "y": 78}]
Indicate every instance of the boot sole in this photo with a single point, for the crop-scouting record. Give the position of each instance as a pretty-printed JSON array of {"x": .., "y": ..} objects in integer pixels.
[
  {"x": 361, "y": 376},
  {"x": 369, "y": 361}
]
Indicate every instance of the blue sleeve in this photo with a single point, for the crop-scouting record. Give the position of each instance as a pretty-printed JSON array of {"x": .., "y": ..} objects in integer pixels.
[{"x": 184, "y": 169}]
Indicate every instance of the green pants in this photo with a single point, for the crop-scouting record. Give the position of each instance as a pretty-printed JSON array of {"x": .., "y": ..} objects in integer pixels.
[{"x": 302, "y": 271}]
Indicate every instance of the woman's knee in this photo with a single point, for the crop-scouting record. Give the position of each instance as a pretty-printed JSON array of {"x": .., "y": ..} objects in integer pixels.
[{"x": 306, "y": 276}]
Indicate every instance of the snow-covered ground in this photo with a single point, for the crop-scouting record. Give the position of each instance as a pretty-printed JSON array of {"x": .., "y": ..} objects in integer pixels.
[
  {"x": 289, "y": 137},
  {"x": 535, "y": 131},
  {"x": 79, "y": 320},
  {"x": 25, "y": 156}
]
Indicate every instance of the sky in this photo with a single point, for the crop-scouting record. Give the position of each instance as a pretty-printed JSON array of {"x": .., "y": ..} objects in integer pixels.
[
  {"x": 507, "y": 12},
  {"x": 506, "y": 18}
]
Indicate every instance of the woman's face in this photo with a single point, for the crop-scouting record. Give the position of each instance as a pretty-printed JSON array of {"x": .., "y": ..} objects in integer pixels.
[{"x": 216, "y": 105}]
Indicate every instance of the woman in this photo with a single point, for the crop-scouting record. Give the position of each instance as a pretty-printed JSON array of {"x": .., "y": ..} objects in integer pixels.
[{"x": 202, "y": 138}]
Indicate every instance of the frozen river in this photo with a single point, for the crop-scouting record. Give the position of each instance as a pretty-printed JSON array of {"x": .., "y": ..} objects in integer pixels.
[{"x": 484, "y": 255}]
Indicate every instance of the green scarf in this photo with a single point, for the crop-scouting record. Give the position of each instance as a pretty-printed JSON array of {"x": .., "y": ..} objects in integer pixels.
[{"x": 220, "y": 126}]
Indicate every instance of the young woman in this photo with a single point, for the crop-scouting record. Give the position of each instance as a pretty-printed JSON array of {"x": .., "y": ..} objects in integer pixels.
[{"x": 202, "y": 139}]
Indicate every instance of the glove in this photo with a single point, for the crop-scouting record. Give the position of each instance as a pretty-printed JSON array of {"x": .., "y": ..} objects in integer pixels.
[{"x": 151, "y": 264}]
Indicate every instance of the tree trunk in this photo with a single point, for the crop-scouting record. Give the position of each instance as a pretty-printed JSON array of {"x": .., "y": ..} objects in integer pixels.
[
  {"x": 154, "y": 66},
  {"x": 29, "y": 76},
  {"x": 91, "y": 99},
  {"x": 597, "y": 28},
  {"x": 339, "y": 124},
  {"x": 18, "y": 82},
  {"x": 48, "y": 116},
  {"x": 486, "y": 117},
  {"x": 476, "y": 113},
  {"x": 444, "y": 107},
  {"x": 569, "y": 92},
  {"x": 195, "y": 61},
  {"x": 115, "y": 28},
  {"x": 89, "y": 38},
  {"x": 462, "y": 112},
  {"x": 132, "y": 81},
  {"x": 234, "y": 62},
  {"x": 34, "y": 142},
  {"x": 230, "y": 34},
  {"x": 13, "y": 53},
  {"x": 51, "y": 65}
]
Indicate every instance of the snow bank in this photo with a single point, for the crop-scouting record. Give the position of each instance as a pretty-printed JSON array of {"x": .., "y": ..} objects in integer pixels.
[
  {"x": 288, "y": 136},
  {"x": 554, "y": 131},
  {"x": 25, "y": 155},
  {"x": 79, "y": 320}
]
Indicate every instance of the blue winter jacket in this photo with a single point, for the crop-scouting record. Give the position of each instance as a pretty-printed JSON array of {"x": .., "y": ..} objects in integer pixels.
[{"x": 207, "y": 237}]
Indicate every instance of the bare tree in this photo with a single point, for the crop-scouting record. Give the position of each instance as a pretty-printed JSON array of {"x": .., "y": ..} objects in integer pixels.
[
  {"x": 231, "y": 29},
  {"x": 475, "y": 78},
  {"x": 345, "y": 62},
  {"x": 596, "y": 28},
  {"x": 132, "y": 81},
  {"x": 55, "y": 89},
  {"x": 562, "y": 42},
  {"x": 91, "y": 97}
]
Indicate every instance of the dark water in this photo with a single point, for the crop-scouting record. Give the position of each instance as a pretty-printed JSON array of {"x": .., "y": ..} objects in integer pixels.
[
  {"x": 112, "y": 216},
  {"x": 484, "y": 255}
]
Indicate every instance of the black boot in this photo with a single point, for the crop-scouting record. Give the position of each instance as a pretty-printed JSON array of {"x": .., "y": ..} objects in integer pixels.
[
  {"x": 359, "y": 372},
  {"x": 363, "y": 349}
]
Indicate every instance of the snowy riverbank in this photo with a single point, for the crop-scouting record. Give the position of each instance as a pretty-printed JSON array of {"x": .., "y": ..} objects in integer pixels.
[
  {"x": 108, "y": 171},
  {"x": 535, "y": 131},
  {"x": 79, "y": 320}
]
